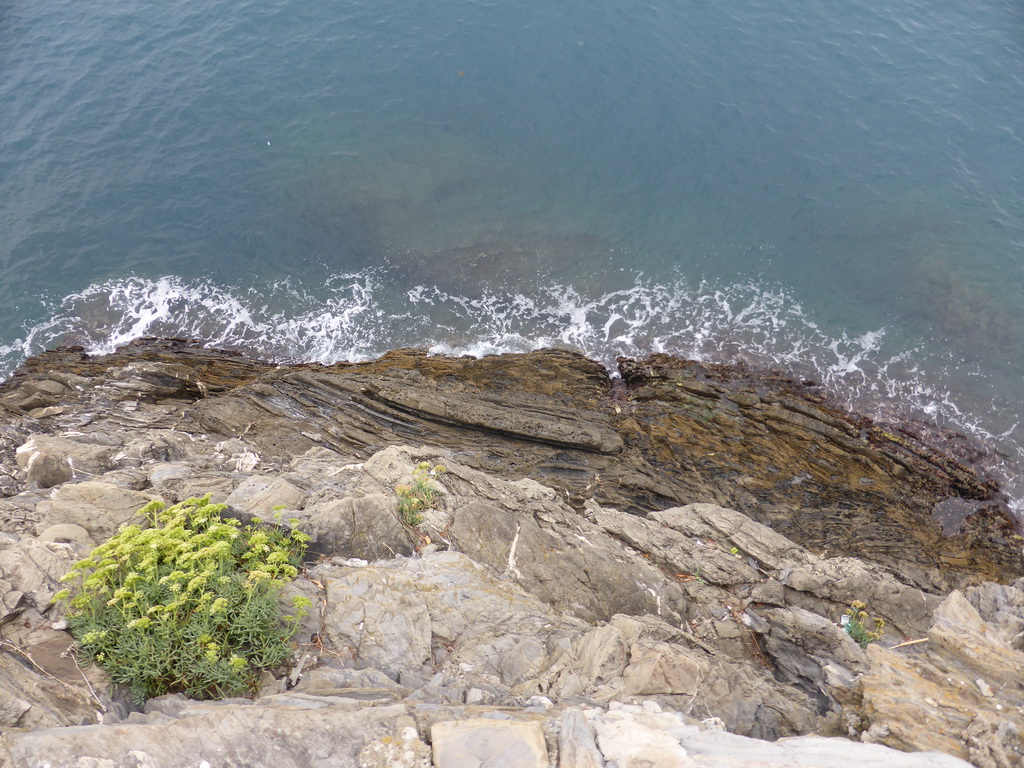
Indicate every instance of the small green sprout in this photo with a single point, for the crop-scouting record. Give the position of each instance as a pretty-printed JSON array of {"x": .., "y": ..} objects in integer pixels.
[{"x": 415, "y": 498}]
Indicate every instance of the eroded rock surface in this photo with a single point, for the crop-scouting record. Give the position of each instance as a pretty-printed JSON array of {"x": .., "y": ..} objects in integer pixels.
[
  {"x": 610, "y": 571},
  {"x": 961, "y": 692},
  {"x": 671, "y": 432}
]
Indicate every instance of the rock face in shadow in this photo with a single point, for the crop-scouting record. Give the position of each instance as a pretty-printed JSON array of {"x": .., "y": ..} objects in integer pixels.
[{"x": 668, "y": 433}]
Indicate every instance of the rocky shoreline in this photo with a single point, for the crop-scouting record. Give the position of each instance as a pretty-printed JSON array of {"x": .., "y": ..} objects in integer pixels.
[{"x": 642, "y": 571}]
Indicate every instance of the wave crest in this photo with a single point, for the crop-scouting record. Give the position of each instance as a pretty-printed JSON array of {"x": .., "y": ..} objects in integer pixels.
[{"x": 361, "y": 316}]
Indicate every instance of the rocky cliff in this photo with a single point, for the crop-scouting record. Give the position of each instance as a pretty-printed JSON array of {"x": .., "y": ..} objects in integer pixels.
[{"x": 645, "y": 570}]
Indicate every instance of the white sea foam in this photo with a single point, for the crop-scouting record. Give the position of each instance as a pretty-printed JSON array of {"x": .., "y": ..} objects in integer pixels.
[{"x": 360, "y": 316}]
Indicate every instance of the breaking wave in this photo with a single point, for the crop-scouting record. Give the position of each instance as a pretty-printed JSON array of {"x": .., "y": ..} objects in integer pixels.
[{"x": 361, "y": 316}]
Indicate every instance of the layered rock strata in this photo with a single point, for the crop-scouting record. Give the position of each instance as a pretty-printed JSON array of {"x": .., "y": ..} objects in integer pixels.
[{"x": 643, "y": 572}]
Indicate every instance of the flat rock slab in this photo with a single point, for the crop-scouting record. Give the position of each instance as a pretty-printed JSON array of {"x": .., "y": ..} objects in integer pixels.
[
  {"x": 227, "y": 735},
  {"x": 718, "y": 749},
  {"x": 484, "y": 743},
  {"x": 576, "y": 745}
]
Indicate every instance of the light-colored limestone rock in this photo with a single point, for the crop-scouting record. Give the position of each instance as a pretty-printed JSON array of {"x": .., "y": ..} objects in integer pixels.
[
  {"x": 646, "y": 657},
  {"x": 576, "y": 745},
  {"x": 98, "y": 507},
  {"x": 221, "y": 734},
  {"x": 628, "y": 742},
  {"x": 259, "y": 495},
  {"x": 486, "y": 743},
  {"x": 837, "y": 579},
  {"x": 386, "y": 625},
  {"x": 68, "y": 533},
  {"x": 11, "y": 601},
  {"x": 33, "y": 567},
  {"x": 679, "y": 551},
  {"x": 164, "y": 473},
  {"x": 391, "y": 615},
  {"x": 364, "y": 526},
  {"x": 156, "y": 445},
  {"x": 48, "y": 460},
  {"x": 400, "y": 615},
  {"x": 520, "y": 528},
  {"x": 718, "y": 749},
  {"x": 12, "y": 707}
]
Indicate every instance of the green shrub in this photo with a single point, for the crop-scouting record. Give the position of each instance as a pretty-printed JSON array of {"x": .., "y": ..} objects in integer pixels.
[
  {"x": 855, "y": 623},
  {"x": 415, "y": 499},
  {"x": 187, "y": 605}
]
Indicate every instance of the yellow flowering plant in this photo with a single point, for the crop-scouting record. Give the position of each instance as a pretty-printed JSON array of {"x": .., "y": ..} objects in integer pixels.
[
  {"x": 856, "y": 620},
  {"x": 187, "y": 604}
]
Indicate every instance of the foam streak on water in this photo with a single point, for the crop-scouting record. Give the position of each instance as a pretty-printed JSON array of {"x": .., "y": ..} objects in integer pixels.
[{"x": 742, "y": 321}]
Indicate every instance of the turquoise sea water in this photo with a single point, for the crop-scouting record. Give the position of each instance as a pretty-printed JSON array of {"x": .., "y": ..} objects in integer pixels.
[{"x": 835, "y": 189}]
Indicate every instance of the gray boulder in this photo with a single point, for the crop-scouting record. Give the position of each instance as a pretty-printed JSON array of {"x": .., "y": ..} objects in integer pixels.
[
  {"x": 259, "y": 495},
  {"x": 359, "y": 526},
  {"x": 73, "y": 535},
  {"x": 32, "y": 568},
  {"x": 48, "y": 461},
  {"x": 100, "y": 508},
  {"x": 396, "y": 615}
]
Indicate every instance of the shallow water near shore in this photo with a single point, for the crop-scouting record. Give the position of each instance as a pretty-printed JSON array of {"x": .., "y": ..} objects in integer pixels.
[{"x": 833, "y": 191}]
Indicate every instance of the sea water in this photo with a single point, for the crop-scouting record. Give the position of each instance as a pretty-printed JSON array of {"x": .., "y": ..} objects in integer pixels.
[{"x": 833, "y": 189}]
